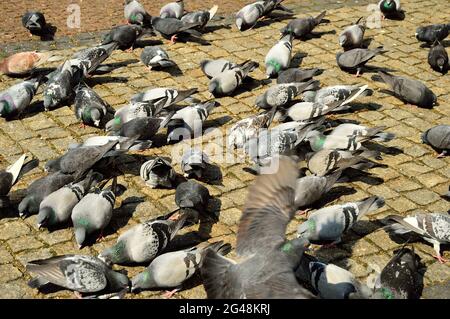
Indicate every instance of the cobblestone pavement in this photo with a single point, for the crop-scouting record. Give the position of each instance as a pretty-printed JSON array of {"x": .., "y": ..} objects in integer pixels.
[{"x": 412, "y": 181}]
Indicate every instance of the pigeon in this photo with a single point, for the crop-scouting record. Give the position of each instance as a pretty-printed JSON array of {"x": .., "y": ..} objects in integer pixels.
[
  {"x": 14, "y": 100},
  {"x": 311, "y": 188},
  {"x": 25, "y": 62},
  {"x": 318, "y": 141},
  {"x": 40, "y": 189},
  {"x": 143, "y": 128},
  {"x": 130, "y": 112},
  {"x": 143, "y": 242},
  {"x": 248, "y": 16},
  {"x": 135, "y": 13},
  {"x": 432, "y": 227},
  {"x": 228, "y": 81},
  {"x": 355, "y": 59},
  {"x": 172, "y": 10},
  {"x": 279, "y": 56},
  {"x": 350, "y": 129},
  {"x": 89, "y": 106},
  {"x": 124, "y": 36},
  {"x": 124, "y": 143},
  {"x": 331, "y": 222},
  {"x": 192, "y": 198},
  {"x": 327, "y": 161},
  {"x": 353, "y": 36},
  {"x": 333, "y": 282},
  {"x": 94, "y": 56},
  {"x": 432, "y": 33},
  {"x": 438, "y": 58},
  {"x": 172, "y": 269},
  {"x": 302, "y": 27},
  {"x": 408, "y": 90},
  {"x": 163, "y": 97},
  {"x": 438, "y": 137},
  {"x": 34, "y": 21},
  {"x": 400, "y": 278},
  {"x": 56, "y": 208},
  {"x": 156, "y": 57},
  {"x": 200, "y": 17},
  {"x": 93, "y": 212},
  {"x": 213, "y": 68},
  {"x": 170, "y": 28},
  {"x": 194, "y": 162},
  {"x": 282, "y": 94},
  {"x": 263, "y": 271},
  {"x": 188, "y": 121},
  {"x": 390, "y": 8},
  {"x": 276, "y": 5},
  {"x": 158, "y": 172},
  {"x": 12, "y": 174},
  {"x": 297, "y": 75},
  {"x": 85, "y": 274}
]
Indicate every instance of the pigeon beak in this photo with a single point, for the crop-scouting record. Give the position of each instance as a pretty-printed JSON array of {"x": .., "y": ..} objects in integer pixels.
[
  {"x": 39, "y": 226},
  {"x": 80, "y": 246},
  {"x": 97, "y": 123}
]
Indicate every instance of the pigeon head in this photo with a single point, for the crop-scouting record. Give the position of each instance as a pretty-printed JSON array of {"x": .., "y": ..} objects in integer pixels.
[
  {"x": 388, "y": 6},
  {"x": 115, "y": 255},
  {"x": 343, "y": 40},
  {"x": 118, "y": 281},
  {"x": 271, "y": 70},
  {"x": 6, "y": 107},
  {"x": 127, "y": 2},
  {"x": 80, "y": 226},
  {"x": 239, "y": 23},
  {"x": 46, "y": 217},
  {"x": 316, "y": 140},
  {"x": 50, "y": 100},
  {"x": 296, "y": 246},
  {"x": 157, "y": 172},
  {"x": 424, "y": 137},
  {"x": 95, "y": 116},
  {"x": 214, "y": 87},
  {"x": 307, "y": 229},
  {"x": 420, "y": 33},
  {"x": 52, "y": 165},
  {"x": 114, "y": 125},
  {"x": 142, "y": 281},
  {"x": 261, "y": 102},
  {"x": 28, "y": 205}
]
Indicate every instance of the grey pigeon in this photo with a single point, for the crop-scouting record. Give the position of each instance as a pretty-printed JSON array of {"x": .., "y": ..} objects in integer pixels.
[
  {"x": 192, "y": 198},
  {"x": 282, "y": 94},
  {"x": 331, "y": 222},
  {"x": 263, "y": 270},
  {"x": 350, "y": 129},
  {"x": 130, "y": 112},
  {"x": 94, "y": 56},
  {"x": 311, "y": 188},
  {"x": 158, "y": 172},
  {"x": 93, "y": 212},
  {"x": 228, "y": 81},
  {"x": 353, "y": 36},
  {"x": 56, "y": 208},
  {"x": 85, "y": 274},
  {"x": 194, "y": 162},
  {"x": 390, "y": 8},
  {"x": 333, "y": 282},
  {"x": 438, "y": 58},
  {"x": 135, "y": 13},
  {"x": 172, "y": 269},
  {"x": 14, "y": 100},
  {"x": 11, "y": 175},
  {"x": 124, "y": 36},
  {"x": 163, "y": 97},
  {"x": 34, "y": 21},
  {"x": 212, "y": 68},
  {"x": 432, "y": 33},
  {"x": 143, "y": 242},
  {"x": 156, "y": 57},
  {"x": 170, "y": 28},
  {"x": 304, "y": 26},
  {"x": 355, "y": 59},
  {"x": 408, "y": 90},
  {"x": 89, "y": 106},
  {"x": 279, "y": 56},
  {"x": 432, "y": 227},
  {"x": 438, "y": 137},
  {"x": 297, "y": 75},
  {"x": 188, "y": 121},
  {"x": 40, "y": 189},
  {"x": 124, "y": 143},
  {"x": 172, "y": 10},
  {"x": 248, "y": 16},
  {"x": 318, "y": 141},
  {"x": 200, "y": 17},
  {"x": 144, "y": 128},
  {"x": 244, "y": 130}
]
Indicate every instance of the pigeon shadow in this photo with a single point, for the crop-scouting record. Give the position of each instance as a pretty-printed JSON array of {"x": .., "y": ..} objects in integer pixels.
[
  {"x": 216, "y": 122},
  {"x": 48, "y": 33},
  {"x": 355, "y": 106},
  {"x": 146, "y": 43},
  {"x": 315, "y": 35},
  {"x": 366, "y": 43},
  {"x": 272, "y": 17},
  {"x": 297, "y": 59},
  {"x": 399, "y": 16},
  {"x": 247, "y": 86},
  {"x": 109, "y": 67},
  {"x": 92, "y": 82},
  {"x": 34, "y": 108},
  {"x": 123, "y": 214},
  {"x": 213, "y": 28},
  {"x": 334, "y": 194},
  {"x": 376, "y": 69},
  {"x": 392, "y": 150},
  {"x": 173, "y": 70},
  {"x": 356, "y": 175}
]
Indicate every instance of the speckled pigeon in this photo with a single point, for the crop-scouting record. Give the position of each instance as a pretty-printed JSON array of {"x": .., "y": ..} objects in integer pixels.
[
  {"x": 155, "y": 57},
  {"x": 158, "y": 172},
  {"x": 89, "y": 106},
  {"x": 244, "y": 130},
  {"x": 377, "y": 134}
]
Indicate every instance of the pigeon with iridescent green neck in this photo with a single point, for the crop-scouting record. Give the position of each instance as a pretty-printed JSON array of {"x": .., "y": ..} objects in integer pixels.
[
  {"x": 390, "y": 8},
  {"x": 302, "y": 27},
  {"x": 279, "y": 56},
  {"x": 14, "y": 100},
  {"x": 135, "y": 13},
  {"x": 89, "y": 106},
  {"x": 318, "y": 141}
]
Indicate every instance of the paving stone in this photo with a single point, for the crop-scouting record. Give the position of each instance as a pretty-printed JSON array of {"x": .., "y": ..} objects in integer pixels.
[
  {"x": 422, "y": 197},
  {"x": 9, "y": 273}
]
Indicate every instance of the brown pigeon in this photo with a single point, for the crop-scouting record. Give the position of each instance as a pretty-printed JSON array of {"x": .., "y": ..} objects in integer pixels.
[{"x": 23, "y": 62}]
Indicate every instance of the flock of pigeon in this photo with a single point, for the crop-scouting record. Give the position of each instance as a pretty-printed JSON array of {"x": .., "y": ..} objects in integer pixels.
[{"x": 268, "y": 266}]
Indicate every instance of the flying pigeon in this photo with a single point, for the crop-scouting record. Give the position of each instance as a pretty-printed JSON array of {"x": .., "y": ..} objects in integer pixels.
[
  {"x": 355, "y": 59},
  {"x": 143, "y": 242},
  {"x": 158, "y": 172},
  {"x": 350, "y": 129},
  {"x": 213, "y": 68},
  {"x": 14, "y": 100},
  {"x": 156, "y": 57},
  {"x": 135, "y": 13},
  {"x": 432, "y": 227},
  {"x": 297, "y": 75},
  {"x": 200, "y": 17},
  {"x": 89, "y": 106},
  {"x": 170, "y": 28},
  {"x": 432, "y": 33},
  {"x": 302, "y": 27},
  {"x": 172, "y": 10},
  {"x": 408, "y": 90},
  {"x": 192, "y": 198},
  {"x": 194, "y": 162},
  {"x": 390, "y": 8},
  {"x": 279, "y": 56},
  {"x": 25, "y": 62},
  {"x": 34, "y": 21},
  {"x": 85, "y": 274},
  {"x": 228, "y": 81},
  {"x": 172, "y": 269},
  {"x": 124, "y": 36},
  {"x": 438, "y": 58},
  {"x": 331, "y": 222},
  {"x": 311, "y": 188},
  {"x": 438, "y": 137},
  {"x": 353, "y": 36}
]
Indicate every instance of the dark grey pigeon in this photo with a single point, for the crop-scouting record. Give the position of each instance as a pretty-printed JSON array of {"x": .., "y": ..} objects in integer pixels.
[
  {"x": 192, "y": 198},
  {"x": 438, "y": 58},
  {"x": 158, "y": 172},
  {"x": 297, "y": 75},
  {"x": 143, "y": 242},
  {"x": 432, "y": 33},
  {"x": 408, "y": 90},
  {"x": 302, "y": 27},
  {"x": 144, "y": 128},
  {"x": 135, "y": 13},
  {"x": 439, "y": 138},
  {"x": 228, "y": 81},
  {"x": 34, "y": 21},
  {"x": 124, "y": 36},
  {"x": 89, "y": 106},
  {"x": 40, "y": 189},
  {"x": 355, "y": 59},
  {"x": 390, "y": 8},
  {"x": 353, "y": 36},
  {"x": 311, "y": 188},
  {"x": 264, "y": 270},
  {"x": 95, "y": 55},
  {"x": 85, "y": 274},
  {"x": 156, "y": 57},
  {"x": 201, "y": 17},
  {"x": 14, "y": 100},
  {"x": 432, "y": 227},
  {"x": 170, "y": 28}
]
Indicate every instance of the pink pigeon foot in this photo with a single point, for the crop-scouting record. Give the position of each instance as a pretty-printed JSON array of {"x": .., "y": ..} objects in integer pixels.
[
  {"x": 441, "y": 155},
  {"x": 169, "y": 294},
  {"x": 78, "y": 295},
  {"x": 441, "y": 259},
  {"x": 173, "y": 39}
]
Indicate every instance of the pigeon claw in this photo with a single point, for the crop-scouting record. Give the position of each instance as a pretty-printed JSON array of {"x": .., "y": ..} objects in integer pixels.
[
  {"x": 78, "y": 295},
  {"x": 441, "y": 259},
  {"x": 303, "y": 212},
  {"x": 173, "y": 39},
  {"x": 441, "y": 155},
  {"x": 169, "y": 294}
]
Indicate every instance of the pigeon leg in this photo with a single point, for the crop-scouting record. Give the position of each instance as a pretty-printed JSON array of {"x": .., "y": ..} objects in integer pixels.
[
  {"x": 173, "y": 39},
  {"x": 82, "y": 125},
  {"x": 129, "y": 50},
  {"x": 169, "y": 294},
  {"x": 78, "y": 295},
  {"x": 100, "y": 236},
  {"x": 437, "y": 249},
  {"x": 358, "y": 72},
  {"x": 303, "y": 212},
  {"x": 442, "y": 155},
  {"x": 149, "y": 67},
  {"x": 333, "y": 244},
  {"x": 441, "y": 259}
]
